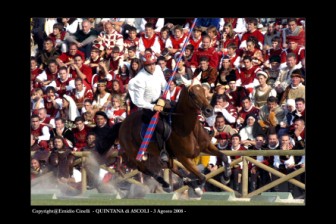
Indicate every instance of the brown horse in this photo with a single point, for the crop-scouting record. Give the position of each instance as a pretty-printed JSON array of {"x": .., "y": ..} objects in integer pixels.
[{"x": 187, "y": 140}]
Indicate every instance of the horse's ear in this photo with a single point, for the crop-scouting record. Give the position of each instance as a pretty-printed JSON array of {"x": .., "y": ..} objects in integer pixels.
[
  {"x": 185, "y": 81},
  {"x": 199, "y": 76},
  {"x": 196, "y": 81}
]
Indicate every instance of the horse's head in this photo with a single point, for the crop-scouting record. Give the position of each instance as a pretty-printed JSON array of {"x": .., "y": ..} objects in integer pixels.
[{"x": 197, "y": 95}]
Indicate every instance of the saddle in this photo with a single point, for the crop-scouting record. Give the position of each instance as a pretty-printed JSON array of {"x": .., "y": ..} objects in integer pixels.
[{"x": 166, "y": 132}]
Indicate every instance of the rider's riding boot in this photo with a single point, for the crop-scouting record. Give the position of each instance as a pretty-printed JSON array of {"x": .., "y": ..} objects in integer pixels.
[{"x": 163, "y": 153}]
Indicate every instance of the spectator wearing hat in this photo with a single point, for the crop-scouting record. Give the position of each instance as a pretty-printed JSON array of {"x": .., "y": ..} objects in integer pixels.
[
  {"x": 252, "y": 30},
  {"x": 262, "y": 91},
  {"x": 206, "y": 73},
  {"x": 196, "y": 38},
  {"x": 284, "y": 78},
  {"x": 145, "y": 90},
  {"x": 293, "y": 30},
  {"x": 298, "y": 50},
  {"x": 149, "y": 40},
  {"x": 274, "y": 69},
  {"x": 296, "y": 89}
]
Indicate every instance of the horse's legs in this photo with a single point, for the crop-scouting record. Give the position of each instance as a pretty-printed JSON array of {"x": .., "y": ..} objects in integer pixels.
[
  {"x": 189, "y": 165},
  {"x": 212, "y": 150},
  {"x": 165, "y": 186}
]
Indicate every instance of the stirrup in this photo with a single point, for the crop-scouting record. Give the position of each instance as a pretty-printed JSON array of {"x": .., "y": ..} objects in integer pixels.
[{"x": 164, "y": 156}]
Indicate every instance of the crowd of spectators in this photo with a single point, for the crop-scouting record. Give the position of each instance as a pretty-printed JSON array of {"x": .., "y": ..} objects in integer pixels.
[{"x": 252, "y": 71}]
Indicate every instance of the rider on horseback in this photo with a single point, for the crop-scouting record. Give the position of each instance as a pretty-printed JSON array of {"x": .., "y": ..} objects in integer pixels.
[{"x": 145, "y": 89}]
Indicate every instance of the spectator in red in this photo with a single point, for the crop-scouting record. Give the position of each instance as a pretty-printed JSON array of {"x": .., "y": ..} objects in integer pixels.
[
  {"x": 78, "y": 69},
  {"x": 80, "y": 133},
  {"x": 40, "y": 132},
  {"x": 67, "y": 58},
  {"x": 80, "y": 93},
  {"x": 293, "y": 30},
  {"x": 205, "y": 51},
  {"x": 252, "y": 30},
  {"x": 34, "y": 72}
]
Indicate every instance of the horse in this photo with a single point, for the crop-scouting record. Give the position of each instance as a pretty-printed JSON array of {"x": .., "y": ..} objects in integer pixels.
[{"x": 188, "y": 137}]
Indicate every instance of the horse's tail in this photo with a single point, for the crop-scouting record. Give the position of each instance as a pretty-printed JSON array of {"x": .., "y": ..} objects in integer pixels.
[{"x": 104, "y": 144}]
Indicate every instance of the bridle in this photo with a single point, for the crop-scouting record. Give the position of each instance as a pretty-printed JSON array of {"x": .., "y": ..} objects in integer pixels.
[{"x": 194, "y": 98}]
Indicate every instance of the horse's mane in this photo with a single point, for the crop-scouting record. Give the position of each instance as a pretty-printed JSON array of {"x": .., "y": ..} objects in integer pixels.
[{"x": 184, "y": 122}]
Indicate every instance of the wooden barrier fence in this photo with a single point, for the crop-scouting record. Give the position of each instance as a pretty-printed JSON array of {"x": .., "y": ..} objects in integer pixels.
[{"x": 245, "y": 158}]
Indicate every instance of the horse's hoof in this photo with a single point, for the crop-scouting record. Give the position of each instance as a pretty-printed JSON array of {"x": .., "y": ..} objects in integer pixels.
[
  {"x": 198, "y": 191},
  {"x": 167, "y": 189},
  {"x": 227, "y": 172}
]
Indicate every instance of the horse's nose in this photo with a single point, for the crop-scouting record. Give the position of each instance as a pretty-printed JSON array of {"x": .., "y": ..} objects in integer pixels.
[{"x": 208, "y": 111}]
